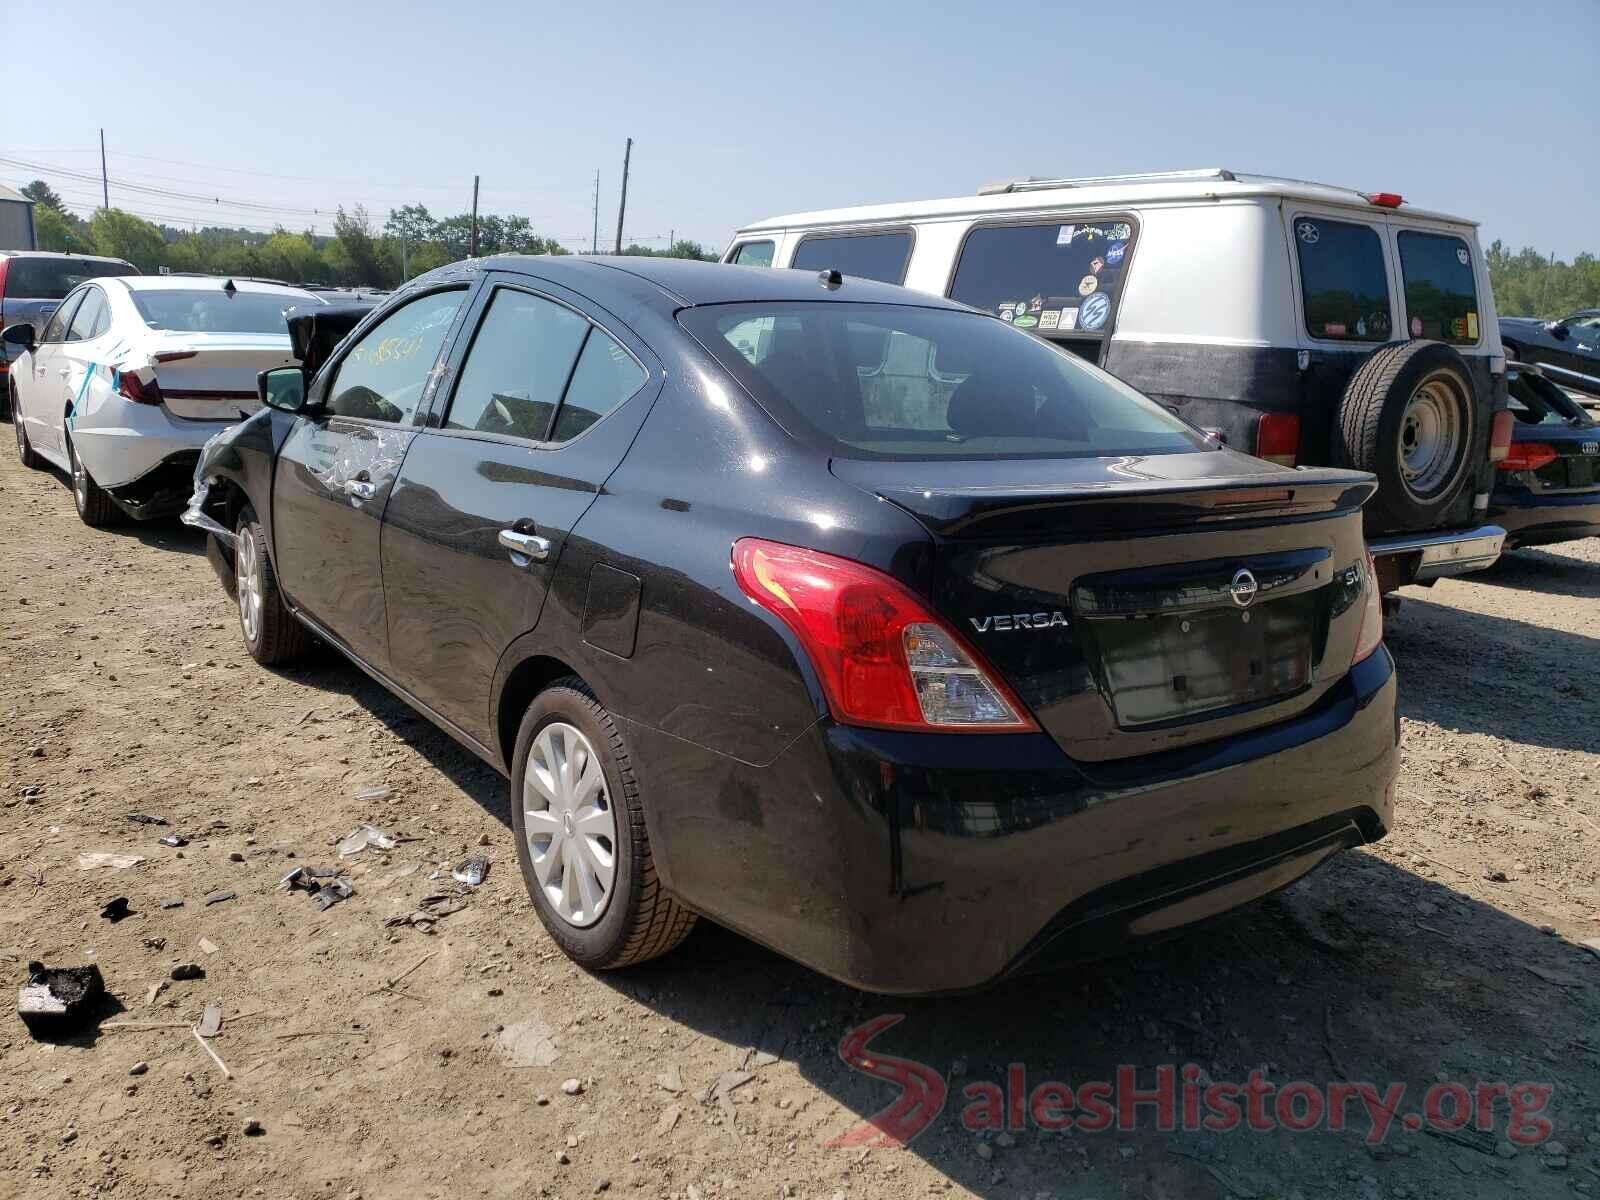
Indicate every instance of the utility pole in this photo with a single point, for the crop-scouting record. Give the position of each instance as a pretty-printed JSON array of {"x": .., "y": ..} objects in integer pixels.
[
  {"x": 474, "y": 217},
  {"x": 622, "y": 204},
  {"x": 595, "y": 249},
  {"x": 105, "y": 185},
  {"x": 672, "y": 240}
]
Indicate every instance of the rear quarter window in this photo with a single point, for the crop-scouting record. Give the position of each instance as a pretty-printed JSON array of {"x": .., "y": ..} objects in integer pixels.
[
  {"x": 1441, "y": 293},
  {"x": 53, "y": 278},
  {"x": 880, "y": 256},
  {"x": 752, "y": 254},
  {"x": 1343, "y": 283},
  {"x": 1055, "y": 279}
]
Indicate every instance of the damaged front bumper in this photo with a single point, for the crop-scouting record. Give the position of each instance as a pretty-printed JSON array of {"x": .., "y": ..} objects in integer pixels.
[{"x": 217, "y": 453}]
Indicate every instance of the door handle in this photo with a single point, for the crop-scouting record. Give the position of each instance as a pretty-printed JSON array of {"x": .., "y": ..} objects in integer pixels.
[
  {"x": 529, "y": 545},
  {"x": 361, "y": 489}
]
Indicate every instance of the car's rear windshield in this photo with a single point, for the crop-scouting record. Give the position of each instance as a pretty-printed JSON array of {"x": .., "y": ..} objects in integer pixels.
[
  {"x": 53, "y": 278},
  {"x": 216, "y": 311},
  {"x": 902, "y": 382}
]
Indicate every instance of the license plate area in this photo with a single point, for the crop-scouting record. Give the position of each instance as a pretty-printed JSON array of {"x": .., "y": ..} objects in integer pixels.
[{"x": 1157, "y": 668}]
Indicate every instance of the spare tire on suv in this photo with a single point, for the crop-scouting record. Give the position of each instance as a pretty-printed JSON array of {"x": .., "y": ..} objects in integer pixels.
[{"x": 1408, "y": 415}]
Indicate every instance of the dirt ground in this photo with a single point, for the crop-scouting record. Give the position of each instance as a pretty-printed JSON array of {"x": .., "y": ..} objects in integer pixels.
[{"x": 125, "y": 688}]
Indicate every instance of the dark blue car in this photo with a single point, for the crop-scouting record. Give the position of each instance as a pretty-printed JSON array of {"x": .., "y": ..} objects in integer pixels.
[
  {"x": 1568, "y": 349},
  {"x": 1549, "y": 485}
]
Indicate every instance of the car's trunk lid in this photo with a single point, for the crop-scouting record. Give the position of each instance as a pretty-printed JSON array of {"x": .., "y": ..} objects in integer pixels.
[
  {"x": 1141, "y": 603},
  {"x": 212, "y": 376},
  {"x": 1577, "y": 464}
]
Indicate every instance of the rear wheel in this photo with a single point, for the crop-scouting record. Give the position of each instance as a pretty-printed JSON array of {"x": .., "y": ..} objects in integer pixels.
[
  {"x": 581, "y": 840},
  {"x": 94, "y": 503},
  {"x": 1409, "y": 415},
  {"x": 271, "y": 633},
  {"x": 25, "y": 454}
]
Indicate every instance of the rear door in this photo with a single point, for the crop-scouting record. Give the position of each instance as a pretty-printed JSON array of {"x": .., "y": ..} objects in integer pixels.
[
  {"x": 80, "y": 354},
  {"x": 549, "y": 391},
  {"x": 339, "y": 462}
]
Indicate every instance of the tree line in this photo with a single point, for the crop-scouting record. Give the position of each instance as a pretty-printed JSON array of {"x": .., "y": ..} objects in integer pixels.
[
  {"x": 412, "y": 240},
  {"x": 359, "y": 253}
]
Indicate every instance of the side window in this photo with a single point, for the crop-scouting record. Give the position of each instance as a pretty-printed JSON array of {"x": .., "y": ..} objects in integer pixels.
[
  {"x": 55, "y": 329},
  {"x": 92, "y": 317},
  {"x": 1055, "y": 280},
  {"x": 880, "y": 256},
  {"x": 383, "y": 377},
  {"x": 753, "y": 254},
  {"x": 517, "y": 366},
  {"x": 1342, "y": 281},
  {"x": 606, "y": 375},
  {"x": 1441, "y": 294}
]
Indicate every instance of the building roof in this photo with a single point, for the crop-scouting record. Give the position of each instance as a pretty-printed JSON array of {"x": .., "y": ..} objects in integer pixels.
[
  {"x": 13, "y": 195},
  {"x": 1103, "y": 191}
]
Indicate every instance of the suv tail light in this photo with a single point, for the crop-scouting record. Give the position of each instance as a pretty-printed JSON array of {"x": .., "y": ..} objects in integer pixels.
[
  {"x": 133, "y": 388},
  {"x": 1500, "y": 435},
  {"x": 883, "y": 659},
  {"x": 1386, "y": 199},
  {"x": 1371, "y": 635},
  {"x": 1278, "y": 438},
  {"x": 1527, "y": 456},
  {"x": 5, "y": 267}
]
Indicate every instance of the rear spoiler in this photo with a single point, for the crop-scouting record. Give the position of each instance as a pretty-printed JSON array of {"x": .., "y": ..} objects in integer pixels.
[{"x": 316, "y": 330}]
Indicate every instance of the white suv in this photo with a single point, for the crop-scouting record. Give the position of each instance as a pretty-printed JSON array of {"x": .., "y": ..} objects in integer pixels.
[{"x": 1303, "y": 323}]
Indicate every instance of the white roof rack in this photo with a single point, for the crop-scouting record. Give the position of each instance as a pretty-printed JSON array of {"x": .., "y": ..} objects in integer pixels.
[{"x": 1038, "y": 183}]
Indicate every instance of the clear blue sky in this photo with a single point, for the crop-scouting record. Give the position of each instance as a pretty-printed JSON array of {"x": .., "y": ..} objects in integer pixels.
[{"x": 741, "y": 111}]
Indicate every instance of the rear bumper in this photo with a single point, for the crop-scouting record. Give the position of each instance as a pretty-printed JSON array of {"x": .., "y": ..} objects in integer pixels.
[
  {"x": 917, "y": 863},
  {"x": 1424, "y": 557},
  {"x": 161, "y": 491},
  {"x": 120, "y": 442},
  {"x": 1533, "y": 520}
]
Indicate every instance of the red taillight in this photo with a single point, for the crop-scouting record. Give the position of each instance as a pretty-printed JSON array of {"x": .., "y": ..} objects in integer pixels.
[
  {"x": 1528, "y": 456},
  {"x": 1278, "y": 438},
  {"x": 133, "y": 388},
  {"x": 1500, "y": 435},
  {"x": 1371, "y": 635},
  {"x": 1385, "y": 199},
  {"x": 5, "y": 265},
  {"x": 883, "y": 659}
]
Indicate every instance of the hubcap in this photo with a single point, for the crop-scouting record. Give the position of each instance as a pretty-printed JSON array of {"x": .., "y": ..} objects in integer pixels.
[
  {"x": 570, "y": 824},
  {"x": 1430, "y": 435},
  {"x": 247, "y": 575}
]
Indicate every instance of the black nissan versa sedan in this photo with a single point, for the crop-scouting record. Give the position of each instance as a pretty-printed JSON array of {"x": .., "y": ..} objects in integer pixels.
[{"x": 848, "y": 617}]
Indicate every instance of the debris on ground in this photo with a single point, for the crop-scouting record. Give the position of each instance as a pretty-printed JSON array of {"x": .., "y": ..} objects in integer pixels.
[
  {"x": 105, "y": 858},
  {"x": 572, "y": 1087},
  {"x": 146, "y": 819},
  {"x": 59, "y": 999},
  {"x": 116, "y": 910},
  {"x": 207, "y": 946},
  {"x": 332, "y": 892},
  {"x": 471, "y": 871},
  {"x": 364, "y": 836},
  {"x": 170, "y": 902},
  {"x": 182, "y": 971},
  {"x": 428, "y": 911},
  {"x": 219, "y": 897},
  {"x": 374, "y": 793},
  {"x": 139, "y": 1068},
  {"x": 252, "y": 1127},
  {"x": 210, "y": 1021},
  {"x": 326, "y": 885},
  {"x": 173, "y": 840}
]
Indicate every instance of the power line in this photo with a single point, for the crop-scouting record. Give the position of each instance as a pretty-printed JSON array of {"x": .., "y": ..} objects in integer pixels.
[{"x": 146, "y": 189}]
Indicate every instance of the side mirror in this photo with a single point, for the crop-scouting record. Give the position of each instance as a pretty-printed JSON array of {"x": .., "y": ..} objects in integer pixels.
[
  {"x": 1556, "y": 329},
  {"x": 20, "y": 335},
  {"x": 282, "y": 388}
]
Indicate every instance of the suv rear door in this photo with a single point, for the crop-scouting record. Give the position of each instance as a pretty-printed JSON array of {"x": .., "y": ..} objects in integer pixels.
[{"x": 549, "y": 391}]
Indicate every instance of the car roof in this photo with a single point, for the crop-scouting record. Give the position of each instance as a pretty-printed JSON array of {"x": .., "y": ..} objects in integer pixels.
[
  {"x": 66, "y": 254},
  {"x": 1104, "y": 191},
  {"x": 200, "y": 283},
  {"x": 682, "y": 282}
]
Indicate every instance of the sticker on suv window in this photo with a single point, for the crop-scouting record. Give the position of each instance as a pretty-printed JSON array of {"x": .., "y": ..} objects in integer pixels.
[
  {"x": 1064, "y": 235},
  {"x": 1092, "y": 313},
  {"x": 1307, "y": 233}
]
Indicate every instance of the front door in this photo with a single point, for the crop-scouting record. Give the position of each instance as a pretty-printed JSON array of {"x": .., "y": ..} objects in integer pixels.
[
  {"x": 338, "y": 465},
  {"x": 43, "y": 386},
  {"x": 491, "y": 491}
]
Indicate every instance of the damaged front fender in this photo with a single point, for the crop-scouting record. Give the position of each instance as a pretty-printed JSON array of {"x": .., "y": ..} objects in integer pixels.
[{"x": 219, "y": 457}]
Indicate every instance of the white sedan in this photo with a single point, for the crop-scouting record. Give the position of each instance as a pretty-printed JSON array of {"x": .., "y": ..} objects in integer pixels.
[{"x": 132, "y": 374}]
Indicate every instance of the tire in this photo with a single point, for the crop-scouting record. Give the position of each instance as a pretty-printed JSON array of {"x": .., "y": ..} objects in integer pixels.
[
  {"x": 94, "y": 504},
  {"x": 1410, "y": 416},
  {"x": 635, "y": 919},
  {"x": 25, "y": 452},
  {"x": 271, "y": 633}
]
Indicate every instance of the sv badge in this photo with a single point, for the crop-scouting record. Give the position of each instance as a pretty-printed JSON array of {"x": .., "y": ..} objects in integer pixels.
[{"x": 1011, "y": 622}]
